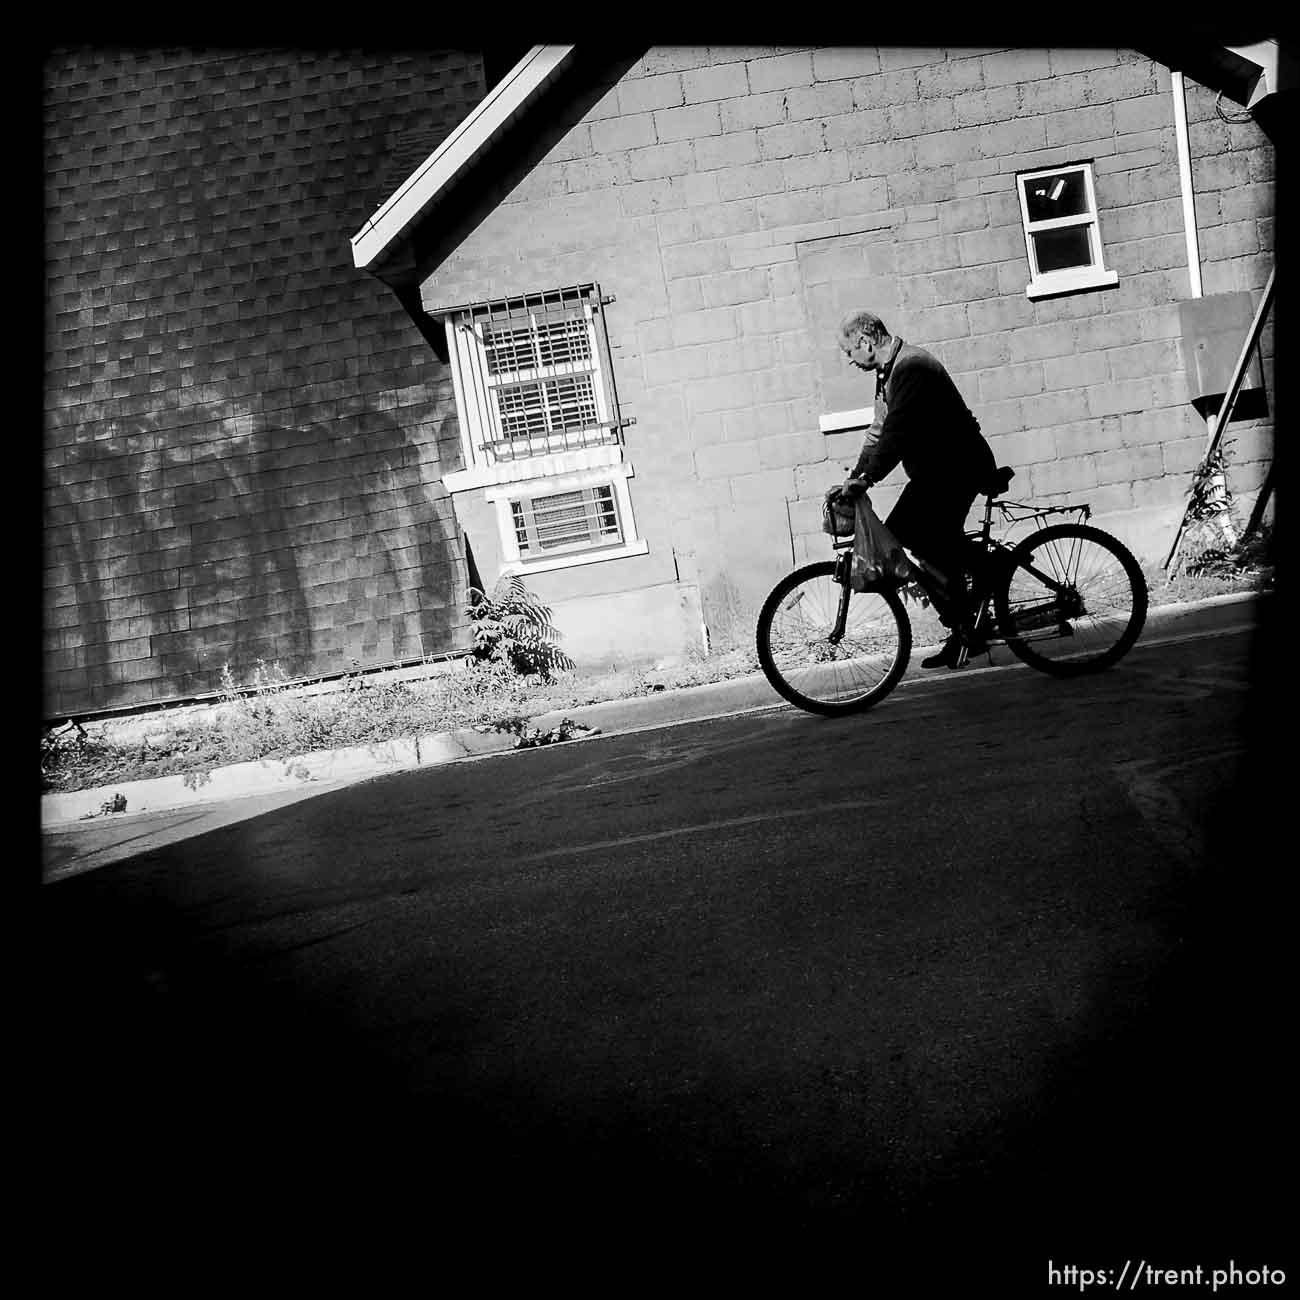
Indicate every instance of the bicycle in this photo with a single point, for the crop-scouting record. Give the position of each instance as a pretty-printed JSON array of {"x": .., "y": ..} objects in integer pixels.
[{"x": 1067, "y": 599}]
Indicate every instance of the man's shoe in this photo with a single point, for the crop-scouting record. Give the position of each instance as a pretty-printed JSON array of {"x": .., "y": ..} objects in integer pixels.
[{"x": 947, "y": 657}]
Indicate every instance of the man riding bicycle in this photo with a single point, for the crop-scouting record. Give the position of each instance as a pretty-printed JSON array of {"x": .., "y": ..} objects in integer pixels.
[{"x": 921, "y": 421}]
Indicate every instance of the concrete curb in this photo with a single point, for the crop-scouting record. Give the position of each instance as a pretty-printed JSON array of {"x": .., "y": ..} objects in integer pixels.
[{"x": 340, "y": 766}]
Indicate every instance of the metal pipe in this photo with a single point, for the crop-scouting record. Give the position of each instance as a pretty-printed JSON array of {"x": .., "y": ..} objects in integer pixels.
[{"x": 1185, "y": 180}]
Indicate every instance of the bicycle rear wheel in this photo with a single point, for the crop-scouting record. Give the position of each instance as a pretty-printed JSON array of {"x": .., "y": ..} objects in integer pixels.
[
  {"x": 807, "y": 667},
  {"x": 1073, "y": 600}
]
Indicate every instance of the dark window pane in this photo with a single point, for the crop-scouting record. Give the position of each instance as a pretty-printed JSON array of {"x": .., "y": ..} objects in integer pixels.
[
  {"x": 1059, "y": 250},
  {"x": 1064, "y": 194}
]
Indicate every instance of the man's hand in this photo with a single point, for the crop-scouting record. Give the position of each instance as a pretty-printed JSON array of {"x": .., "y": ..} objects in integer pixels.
[{"x": 852, "y": 488}]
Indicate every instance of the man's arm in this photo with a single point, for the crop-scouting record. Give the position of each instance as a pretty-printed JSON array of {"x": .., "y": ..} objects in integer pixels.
[{"x": 881, "y": 451}]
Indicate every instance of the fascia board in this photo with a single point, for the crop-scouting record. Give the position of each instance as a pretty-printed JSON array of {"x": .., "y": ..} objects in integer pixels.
[{"x": 413, "y": 197}]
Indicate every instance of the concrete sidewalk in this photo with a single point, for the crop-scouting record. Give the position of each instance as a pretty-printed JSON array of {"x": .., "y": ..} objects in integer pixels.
[{"x": 331, "y": 768}]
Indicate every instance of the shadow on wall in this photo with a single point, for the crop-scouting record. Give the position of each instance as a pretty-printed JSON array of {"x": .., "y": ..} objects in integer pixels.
[{"x": 179, "y": 549}]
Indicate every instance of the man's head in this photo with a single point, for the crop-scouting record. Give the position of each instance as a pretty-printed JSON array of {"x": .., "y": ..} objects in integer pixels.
[{"x": 864, "y": 340}]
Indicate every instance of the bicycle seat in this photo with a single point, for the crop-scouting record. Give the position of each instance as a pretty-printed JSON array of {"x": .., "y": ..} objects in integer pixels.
[{"x": 999, "y": 481}]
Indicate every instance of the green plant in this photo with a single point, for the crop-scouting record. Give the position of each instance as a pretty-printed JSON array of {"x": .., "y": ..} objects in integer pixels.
[{"x": 511, "y": 626}]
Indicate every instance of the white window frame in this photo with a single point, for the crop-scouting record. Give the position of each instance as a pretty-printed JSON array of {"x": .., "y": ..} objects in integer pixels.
[
  {"x": 1094, "y": 276},
  {"x": 615, "y": 477},
  {"x": 483, "y": 435}
]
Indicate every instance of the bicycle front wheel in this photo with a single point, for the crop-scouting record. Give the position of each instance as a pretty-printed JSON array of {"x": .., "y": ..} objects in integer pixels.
[
  {"x": 1074, "y": 600},
  {"x": 809, "y": 665}
]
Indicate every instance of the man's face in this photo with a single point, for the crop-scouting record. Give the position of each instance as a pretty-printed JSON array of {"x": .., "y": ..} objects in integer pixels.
[{"x": 861, "y": 350}]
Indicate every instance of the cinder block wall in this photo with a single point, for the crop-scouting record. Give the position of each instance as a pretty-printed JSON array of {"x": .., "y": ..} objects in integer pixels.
[
  {"x": 739, "y": 200},
  {"x": 243, "y": 432}
]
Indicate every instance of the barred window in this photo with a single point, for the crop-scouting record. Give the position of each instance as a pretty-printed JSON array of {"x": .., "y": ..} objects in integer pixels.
[
  {"x": 532, "y": 375},
  {"x": 566, "y": 521}
]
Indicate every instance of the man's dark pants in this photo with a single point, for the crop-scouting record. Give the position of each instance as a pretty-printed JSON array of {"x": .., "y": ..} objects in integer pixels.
[{"x": 929, "y": 518}]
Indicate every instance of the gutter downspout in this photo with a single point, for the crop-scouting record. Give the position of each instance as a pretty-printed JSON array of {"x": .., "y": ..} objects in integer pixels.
[{"x": 1185, "y": 181}]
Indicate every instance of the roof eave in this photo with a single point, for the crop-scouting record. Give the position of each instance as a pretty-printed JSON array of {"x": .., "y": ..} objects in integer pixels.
[{"x": 492, "y": 118}]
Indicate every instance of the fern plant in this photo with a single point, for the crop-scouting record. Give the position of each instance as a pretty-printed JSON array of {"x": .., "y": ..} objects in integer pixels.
[{"x": 511, "y": 626}]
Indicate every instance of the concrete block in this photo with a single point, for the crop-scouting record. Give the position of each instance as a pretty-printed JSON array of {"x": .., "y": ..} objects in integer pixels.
[
  {"x": 924, "y": 256},
  {"x": 1182, "y": 456},
  {"x": 840, "y": 62},
  {"x": 706, "y": 326},
  {"x": 940, "y": 148},
  {"x": 732, "y": 287},
  {"x": 1129, "y": 465},
  {"x": 719, "y": 81},
  {"x": 735, "y": 149},
  {"x": 1120, "y": 396},
  {"x": 822, "y": 100},
  {"x": 802, "y": 206},
  {"x": 998, "y": 244},
  {"x": 701, "y": 258},
  {"x": 736, "y": 217},
  {"x": 687, "y": 123},
  {"x": 998, "y": 140},
  {"x": 726, "y": 459},
  {"x": 1075, "y": 371},
  {"x": 934, "y": 185},
  {"x": 774, "y": 485},
  {"x": 660, "y": 160},
  {"x": 1233, "y": 239},
  {"x": 856, "y": 198},
  {"x": 1001, "y": 314},
  {"x": 816, "y": 170},
  {"x": 781, "y": 72},
  {"x": 752, "y": 111},
  {"x": 885, "y": 90},
  {"x": 625, "y": 132},
  {"x": 882, "y": 159},
  {"x": 1014, "y": 67},
  {"x": 1011, "y": 381},
  {"x": 750, "y": 181},
  {"x": 968, "y": 284},
  {"x": 937, "y": 324},
  {"x": 1084, "y": 438},
  {"x": 1144, "y": 360},
  {"x": 943, "y": 80},
  {"x": 1050, "y": 409},
  {"x": 1067, "y": 60},
  {"x": 1054, "y": 477},
  {"x": 788, "y": 450},
  {"x": 645, "y": 94},
  {"x": 1112, "y": 330}
]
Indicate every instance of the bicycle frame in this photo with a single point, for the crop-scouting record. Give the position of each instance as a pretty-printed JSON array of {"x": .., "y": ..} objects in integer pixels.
[{"x": 1012, "y": 512}]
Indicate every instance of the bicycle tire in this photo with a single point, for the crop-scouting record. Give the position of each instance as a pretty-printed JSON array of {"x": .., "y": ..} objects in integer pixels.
[
  {"x": 801, "y": 663},
  {"x": 1094, "y": 623}
]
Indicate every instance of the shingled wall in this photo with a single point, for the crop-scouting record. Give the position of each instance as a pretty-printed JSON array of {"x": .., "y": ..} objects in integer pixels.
[{"x": 244, "y": 434}]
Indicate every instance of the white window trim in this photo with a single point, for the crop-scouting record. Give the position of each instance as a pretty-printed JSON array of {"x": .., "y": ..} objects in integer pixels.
[
  {"x": 1096, "y": 276},
  {"x": 615, "y": 476},
  {"x": 480, "y": 421}
]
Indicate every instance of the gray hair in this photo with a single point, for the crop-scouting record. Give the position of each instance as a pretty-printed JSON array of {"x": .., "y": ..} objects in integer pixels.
[{"x": 864, "y": 322}]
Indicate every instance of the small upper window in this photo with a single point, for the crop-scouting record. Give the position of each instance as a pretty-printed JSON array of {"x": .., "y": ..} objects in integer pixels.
[{"x": 1062, "y": 236}]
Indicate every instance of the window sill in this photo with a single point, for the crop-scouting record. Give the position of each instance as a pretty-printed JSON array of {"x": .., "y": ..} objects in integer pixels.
[
  {"x": 575, "y": 558},
  {"x": 551, "y": 465},
  {"x": 1049, "y": 286}
]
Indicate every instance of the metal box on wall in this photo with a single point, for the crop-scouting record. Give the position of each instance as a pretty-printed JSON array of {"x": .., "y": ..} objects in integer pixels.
[{"x": 1214, "y": 330}]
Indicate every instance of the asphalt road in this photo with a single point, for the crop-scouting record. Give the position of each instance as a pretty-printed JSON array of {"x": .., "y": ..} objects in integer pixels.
[{"x": 987, "y": 977}]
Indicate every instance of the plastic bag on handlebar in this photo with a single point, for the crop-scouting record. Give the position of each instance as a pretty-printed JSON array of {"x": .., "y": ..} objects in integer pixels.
[
  {"x": 839, "y": 518},
  {"x": 877, "y": 554}
]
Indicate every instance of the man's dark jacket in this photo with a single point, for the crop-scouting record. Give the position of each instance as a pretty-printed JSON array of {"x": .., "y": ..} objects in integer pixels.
[{"x": 922, "y": 421}]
